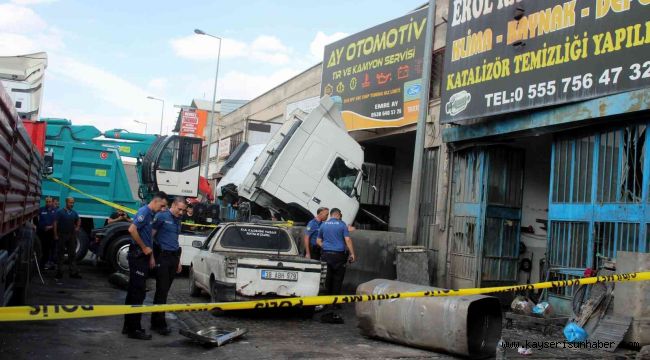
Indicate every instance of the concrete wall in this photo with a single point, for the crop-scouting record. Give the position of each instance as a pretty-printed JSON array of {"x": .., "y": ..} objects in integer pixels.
[{"x": 375, "y": 252}]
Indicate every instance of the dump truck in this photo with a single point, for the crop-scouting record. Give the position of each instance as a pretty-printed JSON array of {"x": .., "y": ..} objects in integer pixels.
[
  {"x": 22, "y": 165},
  {"x": 310, "y": 162},
  {"x": 90, "y": 160}
]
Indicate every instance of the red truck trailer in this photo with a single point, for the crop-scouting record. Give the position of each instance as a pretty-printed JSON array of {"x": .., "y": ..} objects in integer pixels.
[{"x": 21, "y": 169}]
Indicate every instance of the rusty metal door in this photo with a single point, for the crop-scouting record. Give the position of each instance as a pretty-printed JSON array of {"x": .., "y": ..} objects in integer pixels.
[
  {"x": 505, "y": 177},
  {"x": 467, "y": 197},
  {"x": 599, "y": 201},
  {"x": 487, "y": 193}
]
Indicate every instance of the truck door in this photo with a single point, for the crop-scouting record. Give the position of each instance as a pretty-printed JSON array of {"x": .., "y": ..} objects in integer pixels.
[
  {"x": 337, "y": 189},
  {"x": 177, "y": 167}
]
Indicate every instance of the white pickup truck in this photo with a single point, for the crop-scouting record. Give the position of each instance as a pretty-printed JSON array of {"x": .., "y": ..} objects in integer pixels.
[{"x": 242, "y": 261}]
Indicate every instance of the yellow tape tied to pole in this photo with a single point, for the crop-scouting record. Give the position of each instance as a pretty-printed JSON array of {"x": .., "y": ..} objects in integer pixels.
[{"x": 57, "y": 312}]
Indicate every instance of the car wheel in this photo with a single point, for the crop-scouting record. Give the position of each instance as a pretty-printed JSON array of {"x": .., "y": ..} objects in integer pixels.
[
  {"x": 83, "y": 241},
  {"x": 194, "y": 290},
  {"x": 118, "y": 254},
  {"x": 214, "y": 296}
]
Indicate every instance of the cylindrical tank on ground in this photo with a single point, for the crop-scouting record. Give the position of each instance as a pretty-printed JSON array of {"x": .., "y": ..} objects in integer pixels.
[{"x": 464, "y": 325}]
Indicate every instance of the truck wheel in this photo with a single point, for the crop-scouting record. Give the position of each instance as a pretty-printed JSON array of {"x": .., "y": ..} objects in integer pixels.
[
  {"x": 22, "y": 266},
  {"x": 214, "y": 295},
  {"x": 83, "y": 241},
  {"x": 194, "y": 290},
  {"x": 118, "y": 254}
]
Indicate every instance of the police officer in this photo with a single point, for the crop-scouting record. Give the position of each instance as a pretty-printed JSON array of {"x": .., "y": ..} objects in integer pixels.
[
  {"x": 166, "y": 227},
  {"x": 334, "y": 238},
  {"x": 312, "y": 250},
  {"x": 139, "y": 257},
  {"x": 46, "y": 233},
  {"x": 66, "y": 227}
]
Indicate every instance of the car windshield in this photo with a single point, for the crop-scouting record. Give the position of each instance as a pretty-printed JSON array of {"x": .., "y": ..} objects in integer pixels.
[{"x": 256, "y": 238}]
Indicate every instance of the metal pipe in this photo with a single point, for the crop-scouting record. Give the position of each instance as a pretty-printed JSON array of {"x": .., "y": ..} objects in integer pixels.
[
  {"x": 214, "y": 100},
  {"x": 420, "y": 134},
  {"x": 463, "y": 325},
  {"x": 162, "y": 111}
]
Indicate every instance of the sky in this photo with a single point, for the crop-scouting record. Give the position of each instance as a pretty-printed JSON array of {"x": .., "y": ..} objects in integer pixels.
[{"x": 106, "y": 57}]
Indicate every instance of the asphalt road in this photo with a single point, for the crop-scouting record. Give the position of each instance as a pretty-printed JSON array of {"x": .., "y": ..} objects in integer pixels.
[{"x": 270, "y": 335}]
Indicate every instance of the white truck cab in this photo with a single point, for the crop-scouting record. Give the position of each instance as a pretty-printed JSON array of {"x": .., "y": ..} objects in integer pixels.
[
  {"x": 310, "y": 162},
  {"x": 240, "y": 261}
]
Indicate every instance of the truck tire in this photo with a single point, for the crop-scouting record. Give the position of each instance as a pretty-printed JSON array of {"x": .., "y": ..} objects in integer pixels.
[
  {"x": 117, "y": 254},
  {"x": 83, "y": 241},
  {"x": 194, "y": 290},
  {"x": 214, "y": 297},
  {"x": 23, "y": 265}
]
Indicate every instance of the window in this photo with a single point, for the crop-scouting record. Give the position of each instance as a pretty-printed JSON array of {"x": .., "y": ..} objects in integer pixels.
[
  {"x": 343, "y": 177},
  {"x": 190, "y": 151},
  {"x": 235, "y": 140},
  {"x": 256, "y": 238},
  {"x": 169, "y": 156}
]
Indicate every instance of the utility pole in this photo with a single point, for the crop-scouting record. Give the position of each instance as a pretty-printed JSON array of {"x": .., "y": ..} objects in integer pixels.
[
  {"x": 214, "y": 100},
  {"x": 420, "y": 134}
]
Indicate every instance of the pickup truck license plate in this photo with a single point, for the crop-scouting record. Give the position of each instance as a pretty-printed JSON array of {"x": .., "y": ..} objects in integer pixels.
[{"x": 280, "y": 275}]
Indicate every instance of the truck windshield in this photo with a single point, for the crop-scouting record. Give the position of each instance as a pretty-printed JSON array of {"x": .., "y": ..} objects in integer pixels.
[
  {"x": 342, "y": 176},
  {"x": 256, "y": 238}
]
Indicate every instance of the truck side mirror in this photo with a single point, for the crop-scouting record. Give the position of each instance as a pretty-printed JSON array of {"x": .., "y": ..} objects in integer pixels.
[
  {"x": 48, "y": 163},
  {"x": 197, "y": 244}
]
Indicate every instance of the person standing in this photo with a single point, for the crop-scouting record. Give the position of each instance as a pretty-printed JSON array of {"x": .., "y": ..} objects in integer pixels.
[
  {"x": 312, "y": 250},
  {"x": 46, "y": 233},
  {"x": 334, "y": 239},
  {"x": 188, "y": 218},
  {"x": 140, "y": 256},
  {"x": 66, "y": 227},
  {"x": 166, "y": 228}
]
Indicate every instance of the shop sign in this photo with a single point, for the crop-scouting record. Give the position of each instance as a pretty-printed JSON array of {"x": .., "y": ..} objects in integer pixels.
[
  {"x": 504, "y": 56},
  {"x": 377, "y": 73}
]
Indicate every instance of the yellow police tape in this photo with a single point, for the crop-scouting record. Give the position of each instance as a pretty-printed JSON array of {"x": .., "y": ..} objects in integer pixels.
[
  {"x": 57, "y": 312},
  {"x": 105, "y": 202},
  {"x": 115, "y": 205},
  {"x": 133, "y": 211}
]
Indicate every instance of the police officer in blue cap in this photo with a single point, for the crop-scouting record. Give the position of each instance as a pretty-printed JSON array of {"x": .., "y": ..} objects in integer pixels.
[
  {"x": 140, "y": 261},
  {"x": 166, "y": 228}
]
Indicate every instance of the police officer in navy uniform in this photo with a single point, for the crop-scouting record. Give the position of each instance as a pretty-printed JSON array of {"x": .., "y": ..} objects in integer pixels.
[
  {"x": 166, "y": 228},
  {"x": 312, "y": 250},
  {"x": 334, "y": 239},
  {"x": 45, "y": 230},
  {"x": 66, "y": 227},
  {"x": 140, "y": 261}
]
